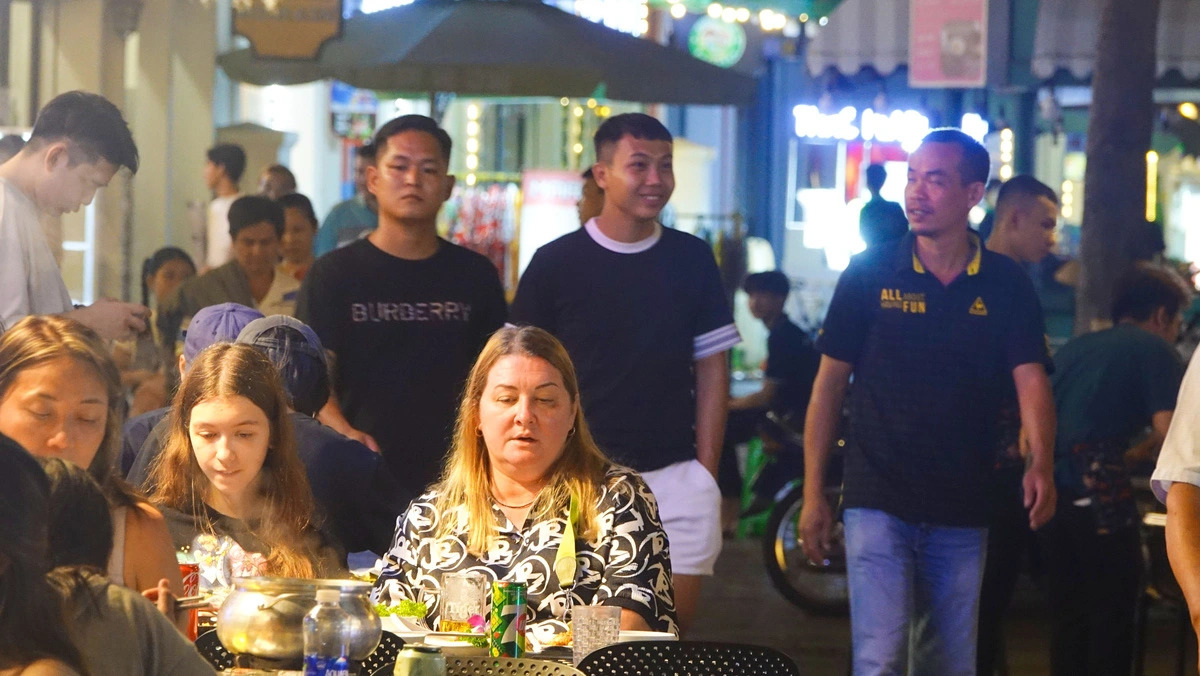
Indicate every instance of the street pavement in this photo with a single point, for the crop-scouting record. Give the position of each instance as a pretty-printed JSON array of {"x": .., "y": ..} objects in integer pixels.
[{"x": 739, "y": 605}]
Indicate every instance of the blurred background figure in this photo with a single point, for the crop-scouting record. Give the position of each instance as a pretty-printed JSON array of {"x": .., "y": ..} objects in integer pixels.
[
  {"x": 222, "y": 171},
  {"x": 299, "y": 231},
  {"x": 880, "y": 220},
  {"x": 352, "y": 219},
  {"x": 146, "y": 364},
  {"x": 10, "y": 145},
  {"x": 591, "y": 200},
  {"x": 276, "y": 181}
]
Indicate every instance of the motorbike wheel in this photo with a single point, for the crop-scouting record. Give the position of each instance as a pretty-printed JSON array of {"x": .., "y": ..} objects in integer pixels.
[{"x": 817, "y": 588}]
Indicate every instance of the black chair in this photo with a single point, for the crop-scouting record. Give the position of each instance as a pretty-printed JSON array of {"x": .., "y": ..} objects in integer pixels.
[
  {"x": 687, "y": 658},
  {"x": 506, "y": 666},
  {"x": 384, "y": 655},
  {"x": 209, "y": 647}
]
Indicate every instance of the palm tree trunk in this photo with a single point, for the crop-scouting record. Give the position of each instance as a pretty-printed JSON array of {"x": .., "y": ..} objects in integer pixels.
[{"x": 1118, "y": 136}]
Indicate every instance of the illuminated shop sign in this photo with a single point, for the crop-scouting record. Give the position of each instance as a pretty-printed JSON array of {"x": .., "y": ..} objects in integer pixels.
[{"x": 906, "y": 127}]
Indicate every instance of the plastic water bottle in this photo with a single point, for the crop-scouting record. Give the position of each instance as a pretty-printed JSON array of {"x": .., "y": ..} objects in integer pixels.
[{"x": 327, "y": 636}]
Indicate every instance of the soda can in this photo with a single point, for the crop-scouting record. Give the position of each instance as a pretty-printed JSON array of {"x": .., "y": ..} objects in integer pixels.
[
  {"x": 506, "y": 636},
  {"x": 418, "y": 659},
  {"x": 190, "y": 572}
]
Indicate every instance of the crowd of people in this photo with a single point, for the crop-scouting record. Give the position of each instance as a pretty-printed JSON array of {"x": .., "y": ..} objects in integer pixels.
[
  {"x": 311, "y": 390},
  {"x": 371, "y": 398}
]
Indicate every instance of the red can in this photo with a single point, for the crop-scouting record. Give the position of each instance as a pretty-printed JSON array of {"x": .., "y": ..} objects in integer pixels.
[{"x": 190, "y": 572}]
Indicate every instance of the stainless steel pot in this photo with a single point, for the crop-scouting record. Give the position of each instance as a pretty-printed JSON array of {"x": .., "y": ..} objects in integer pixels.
[{"x": 263, "y": 616}]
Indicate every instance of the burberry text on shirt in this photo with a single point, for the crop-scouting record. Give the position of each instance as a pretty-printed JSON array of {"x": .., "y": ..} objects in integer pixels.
[{"x": 448, "y": 311}]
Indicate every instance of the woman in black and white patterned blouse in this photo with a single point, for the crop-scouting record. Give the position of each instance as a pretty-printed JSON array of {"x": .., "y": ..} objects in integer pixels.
[{"x": 521, "y": 452}]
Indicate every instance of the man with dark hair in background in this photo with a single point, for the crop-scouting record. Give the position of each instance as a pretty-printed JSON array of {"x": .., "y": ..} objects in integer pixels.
[
  {"x": 1025, "y": 219},
  {"x": 641, "y": 310},
  {"x": 936, "y": 332},
  {"x": 1023, "y": 224},
  {"x": 352, "y": 219},
  {"x": 787, "y": 384},
  {"x": 880, "y": 220},
  {"x": 255, "y": 227},
  {"x": 1109, "y": 386},
  {"x": 403, "y": 311},
  {"x": 222, "y": 170},
  {"x": 78, "y": 143},
  {"x": 275, "y": 181}
]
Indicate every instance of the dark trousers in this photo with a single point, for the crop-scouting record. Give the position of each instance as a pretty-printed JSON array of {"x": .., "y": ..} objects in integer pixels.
[
  {"x": 1009, "y": 540},
  {"x": 1094, "y": 581}
]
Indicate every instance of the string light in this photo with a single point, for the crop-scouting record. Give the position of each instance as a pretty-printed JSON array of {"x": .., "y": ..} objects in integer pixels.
[
  {"x": 1068, "y": 199},
  {"x": 714, "y": 10},
  {"x": 678, "y": 11},
  {"x": 472, "y": 160},
  {"x": 1006, "y": 154},
  {"x": 1189, "y": 110}
]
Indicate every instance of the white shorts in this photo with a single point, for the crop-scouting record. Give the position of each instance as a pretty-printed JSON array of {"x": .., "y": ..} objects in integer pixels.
[{"x": 689, "y": 504}]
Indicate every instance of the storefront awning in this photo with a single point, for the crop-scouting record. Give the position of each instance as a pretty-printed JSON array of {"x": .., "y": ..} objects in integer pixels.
[
  {"x": 862, "y": 33},
  {"x": 1067, "y": 32}
]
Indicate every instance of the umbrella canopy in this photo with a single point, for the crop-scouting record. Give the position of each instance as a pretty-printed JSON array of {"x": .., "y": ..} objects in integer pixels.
[{"x": 488, "y": 48}]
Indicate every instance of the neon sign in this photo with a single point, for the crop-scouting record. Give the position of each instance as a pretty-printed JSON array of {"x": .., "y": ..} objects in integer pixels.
[{"x": 906, "y": 127}]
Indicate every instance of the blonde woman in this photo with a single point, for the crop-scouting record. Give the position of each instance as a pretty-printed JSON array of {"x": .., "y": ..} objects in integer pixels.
[
  {"x": 522, "y": 455},
  {"x": 60, "y": 396}
]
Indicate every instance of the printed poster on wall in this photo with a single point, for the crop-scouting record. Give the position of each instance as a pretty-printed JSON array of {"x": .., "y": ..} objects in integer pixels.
[{"x": 947, "y": 43}]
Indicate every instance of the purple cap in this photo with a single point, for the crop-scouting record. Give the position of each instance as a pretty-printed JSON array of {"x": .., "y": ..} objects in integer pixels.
[{"x": 216, "y": 324}]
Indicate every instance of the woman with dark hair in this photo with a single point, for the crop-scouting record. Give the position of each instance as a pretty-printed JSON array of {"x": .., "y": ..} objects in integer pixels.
[
  {"x": 119, "y": 632},
  {"x": 60, "y": 396},
  {"x": 33, "y": 636},
  {"x": 146, "y": 365},
  {"x": 230, "y": 468},
  {"x": 522, "y": 476}
]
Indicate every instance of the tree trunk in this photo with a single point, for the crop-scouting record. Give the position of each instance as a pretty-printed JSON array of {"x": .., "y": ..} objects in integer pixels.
[{"x": 1118, "y": 136}]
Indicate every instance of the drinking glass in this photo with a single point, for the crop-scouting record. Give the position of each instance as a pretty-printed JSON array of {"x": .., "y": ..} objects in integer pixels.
[
  {"x": 464, "y": 595},
  {"x": 592, "y": 628}
]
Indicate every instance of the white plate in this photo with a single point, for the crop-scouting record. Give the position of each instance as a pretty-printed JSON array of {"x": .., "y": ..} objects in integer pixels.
[{"x": 628, "y": 635}]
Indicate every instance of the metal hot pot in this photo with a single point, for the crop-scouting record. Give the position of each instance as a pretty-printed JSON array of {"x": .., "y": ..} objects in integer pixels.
[{"x": 263, "y": 616}]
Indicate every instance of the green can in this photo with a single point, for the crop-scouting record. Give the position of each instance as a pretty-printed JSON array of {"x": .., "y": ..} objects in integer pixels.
[{"x": 506, "y": 637}]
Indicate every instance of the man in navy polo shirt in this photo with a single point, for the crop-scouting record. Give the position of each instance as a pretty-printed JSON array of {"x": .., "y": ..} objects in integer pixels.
[{"x": 933, "y": 327}]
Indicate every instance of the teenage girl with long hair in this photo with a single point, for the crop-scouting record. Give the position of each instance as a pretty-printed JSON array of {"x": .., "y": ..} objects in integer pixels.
[{"x": 230, "y": 468}]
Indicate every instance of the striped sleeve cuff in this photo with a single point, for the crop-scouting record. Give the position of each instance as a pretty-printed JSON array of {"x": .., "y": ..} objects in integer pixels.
[{"x": 717, "y": 340}]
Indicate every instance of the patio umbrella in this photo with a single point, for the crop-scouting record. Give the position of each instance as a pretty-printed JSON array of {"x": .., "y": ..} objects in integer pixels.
[{"x": 489, "y": 48}]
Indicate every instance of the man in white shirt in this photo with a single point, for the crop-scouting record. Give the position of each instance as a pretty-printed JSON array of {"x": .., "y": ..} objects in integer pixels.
[
  {"x": 223, "y": 169},
  {"x": 78, "y": 143}
]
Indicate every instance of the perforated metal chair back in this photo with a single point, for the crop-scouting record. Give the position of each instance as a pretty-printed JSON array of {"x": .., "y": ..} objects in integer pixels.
[
  {"x": 384, "y": 654},
  {"x": 687, "y": 658},
  {"x": 210, "y": 648},
  {"x": 505, "y": 666}
]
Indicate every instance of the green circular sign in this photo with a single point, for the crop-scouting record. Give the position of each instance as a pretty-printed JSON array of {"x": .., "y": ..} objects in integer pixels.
[{"x": 717, "y": 42}]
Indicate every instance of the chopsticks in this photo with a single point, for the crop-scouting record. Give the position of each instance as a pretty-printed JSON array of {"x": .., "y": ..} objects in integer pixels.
[{"x": 192, "y": 602}]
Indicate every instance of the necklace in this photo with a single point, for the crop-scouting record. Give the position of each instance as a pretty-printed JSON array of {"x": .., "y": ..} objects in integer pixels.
[{"x": 497, "y": 501}]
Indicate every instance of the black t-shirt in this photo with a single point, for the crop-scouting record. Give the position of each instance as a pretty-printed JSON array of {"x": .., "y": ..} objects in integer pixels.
[
  {"x": 634, "y": 322},
  {"x": 792, "y": 363},
  {"x": 1108, "y": 386},
  {"x": 932, "y": 367},
  {"x": 405, "y": 334},
  {"x": 881, "y": 221}
]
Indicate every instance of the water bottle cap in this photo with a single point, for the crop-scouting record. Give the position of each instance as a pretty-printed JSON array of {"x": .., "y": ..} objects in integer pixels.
[{"x": 329, "y": 595}]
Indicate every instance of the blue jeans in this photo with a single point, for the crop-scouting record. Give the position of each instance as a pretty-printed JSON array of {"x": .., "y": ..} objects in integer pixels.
[{"x": 914, "y": 595}]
